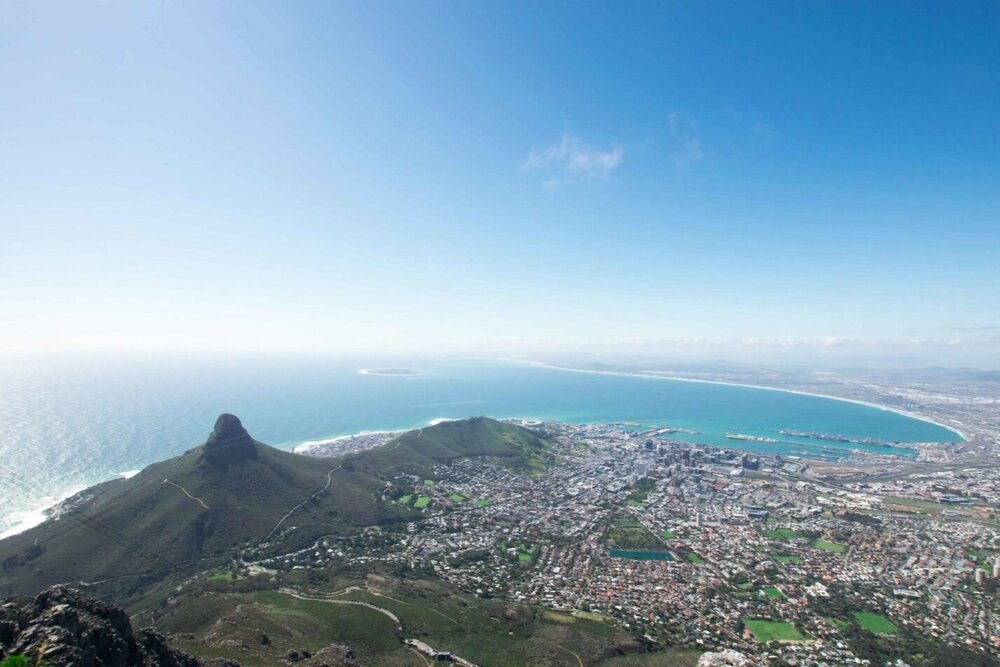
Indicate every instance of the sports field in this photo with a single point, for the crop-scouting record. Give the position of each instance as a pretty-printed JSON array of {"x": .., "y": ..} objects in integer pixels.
[
  {"x": 875, "y": 623},
  {"x": 765, "y": 631},
  {"x": 829, "y": 546}
]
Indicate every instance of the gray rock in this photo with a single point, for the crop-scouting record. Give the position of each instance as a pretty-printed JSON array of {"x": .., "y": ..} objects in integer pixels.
[
  {"x": 727, "y": 658},
  {"x": 62, "y": 627}
]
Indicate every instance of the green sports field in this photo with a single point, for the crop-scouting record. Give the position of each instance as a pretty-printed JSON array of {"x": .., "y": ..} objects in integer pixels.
[
  {"x": 829, "y": 546},
  {"x": 795, "y": 560},
  {"x": 875, "y": 623},
  {"x": 781, "y": 534},
  {"x": 765, "y": 631}
]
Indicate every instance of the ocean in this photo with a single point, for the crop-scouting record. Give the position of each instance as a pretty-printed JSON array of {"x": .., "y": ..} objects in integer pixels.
[{"x": 68, "y": 423}]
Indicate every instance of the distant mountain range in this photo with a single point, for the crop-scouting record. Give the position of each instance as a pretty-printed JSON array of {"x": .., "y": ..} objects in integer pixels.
[{"x": 203, "y": 507}]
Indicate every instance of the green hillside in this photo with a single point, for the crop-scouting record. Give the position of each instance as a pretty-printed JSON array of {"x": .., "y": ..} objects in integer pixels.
[
  {"x": 184, "y": 514},
  {"x": 417, "y": 452}
]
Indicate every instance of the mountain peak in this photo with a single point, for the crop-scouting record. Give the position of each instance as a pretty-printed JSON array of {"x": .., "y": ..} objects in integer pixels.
[{"x": 229, "y": 442}]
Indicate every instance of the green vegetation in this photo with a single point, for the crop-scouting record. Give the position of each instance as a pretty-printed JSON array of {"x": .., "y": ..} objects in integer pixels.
[
  {"x": 783, "y": 558},
  {"x": 629, "y": 534},
  {"x": 419, "y": 452},
  {"x": 875, "y": 623},
  {"x": 640, "y": 492},
  {"x": 483, "y": 502},
  {"x": 668, "y": 534},
  {"x": 923, "y": 506},
  {"x": 981, "y": 557},
  {"x": 782, "y": 534},
  {"x": 422, "y": 502},
  {"x": 695, "y": 558},
  {"x": 233, "y": 491},
  {"x": 838, "y": 623},
  {"x": 486, "y": 632},
  {"x": 590, "y": 615},
  {"x": 765, "y": 631},
  {"x": 405, "y": 500},
  {"x": 557, "y": 617},
  {"x": 14, "y": 661},
  {"x": 772, "y": 592},
  {"x": 456, "y": 497},
  {"x": 829, "y": 546}
]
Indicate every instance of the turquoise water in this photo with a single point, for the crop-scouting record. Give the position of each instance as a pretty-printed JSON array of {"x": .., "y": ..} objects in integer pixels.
[
  {"x": 640, "y": 555},
  {"x": 67, "y": 424}
]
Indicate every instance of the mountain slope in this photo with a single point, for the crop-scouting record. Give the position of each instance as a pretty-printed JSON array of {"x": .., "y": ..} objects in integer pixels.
[
  {"x": 187, "y": 513},
  {"x": 418, "y": 451}
]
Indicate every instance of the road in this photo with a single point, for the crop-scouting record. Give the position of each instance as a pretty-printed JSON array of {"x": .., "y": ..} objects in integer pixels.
[{"x": 329, "y": 476}]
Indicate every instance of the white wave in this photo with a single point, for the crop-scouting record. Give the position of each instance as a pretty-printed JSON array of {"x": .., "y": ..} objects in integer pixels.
[{"x": 26, "y": 519}]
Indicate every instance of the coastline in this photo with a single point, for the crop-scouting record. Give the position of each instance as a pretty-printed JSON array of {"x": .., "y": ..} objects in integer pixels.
[
  {"x": 24, "y": 519},
  {"x": 649, "y": 374}
]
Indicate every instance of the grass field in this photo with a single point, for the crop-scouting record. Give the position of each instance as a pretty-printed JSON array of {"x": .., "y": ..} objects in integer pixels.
[
  {"x": 781, "y": 534},
  {"x": 428, "y": 482},
  {"x": 405, "y": 500},
  {"x": 482, "y": 502},
  {"x": 925, "y": 506},
  {"x": 765, "y": 631},
  {"x": 695, "y": 558},
  {"x": 781, "y": 558},
  {"x": 829, "y": 546},
  {"x": 772, "y": 592},
  {"x": 668, "y": 534},
  {"x": 422, "y": 501},
  {"x": 456, "y": 497},
  {"x": 875, "y": 623},
  {"x": 557, "y": 617},
  {"x": 590, "y": 616}
]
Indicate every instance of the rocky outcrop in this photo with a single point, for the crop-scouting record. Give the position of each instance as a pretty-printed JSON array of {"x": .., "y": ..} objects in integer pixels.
[
  {"x": 334, "y": 655},
  {"x": 727, "y": 658},
  {"x": 229, "y": 442},
  {"x": 62, "y": 627}
]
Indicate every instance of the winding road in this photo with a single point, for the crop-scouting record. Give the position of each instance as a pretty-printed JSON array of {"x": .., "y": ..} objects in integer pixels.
[{"x": 329, "y": 477}]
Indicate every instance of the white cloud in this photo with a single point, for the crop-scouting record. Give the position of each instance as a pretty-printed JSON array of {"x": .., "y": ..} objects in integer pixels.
[{"x": 571, "y": 159}]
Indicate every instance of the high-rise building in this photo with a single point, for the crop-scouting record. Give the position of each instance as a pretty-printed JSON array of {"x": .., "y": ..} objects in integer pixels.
[
  {"x": 996, "y": 569},
  {"x": 980, "y": 575}
]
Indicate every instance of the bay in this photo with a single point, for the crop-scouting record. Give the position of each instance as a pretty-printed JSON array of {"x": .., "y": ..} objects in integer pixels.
[{"x": 67, "y": 423}]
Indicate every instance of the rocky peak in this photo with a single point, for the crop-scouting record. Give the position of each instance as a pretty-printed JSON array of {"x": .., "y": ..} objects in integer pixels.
[
  {"x": 62, "y": 626},
  {"x": 229, "y": 442}
]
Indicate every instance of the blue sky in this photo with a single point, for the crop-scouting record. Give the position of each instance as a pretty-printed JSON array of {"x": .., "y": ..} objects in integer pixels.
[{"x": 356, "y": 176}]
